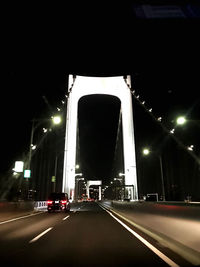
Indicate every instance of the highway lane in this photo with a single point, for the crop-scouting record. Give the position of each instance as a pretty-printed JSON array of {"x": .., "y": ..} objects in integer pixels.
[
  {"x": 180, "y": 222},
  {"x": 87, "y": 236}
]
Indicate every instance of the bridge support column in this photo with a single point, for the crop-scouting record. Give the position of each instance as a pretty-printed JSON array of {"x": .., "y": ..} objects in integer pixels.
[{"x": 115, "y": 86}]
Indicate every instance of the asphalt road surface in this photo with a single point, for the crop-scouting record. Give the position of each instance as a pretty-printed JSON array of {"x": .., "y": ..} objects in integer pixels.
[{"x": 86, "y": 236}]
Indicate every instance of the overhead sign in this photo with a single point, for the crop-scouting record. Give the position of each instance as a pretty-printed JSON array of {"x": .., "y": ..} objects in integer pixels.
[
  {"x": 19, "y": 166},
  {"x": 27, "y": 173}
]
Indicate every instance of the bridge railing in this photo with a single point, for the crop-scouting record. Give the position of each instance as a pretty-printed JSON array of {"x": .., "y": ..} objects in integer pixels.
[{"x": 40, "y": 205}]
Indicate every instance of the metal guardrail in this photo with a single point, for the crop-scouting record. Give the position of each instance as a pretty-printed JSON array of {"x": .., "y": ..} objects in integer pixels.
[{"x": 40, "y": 205}]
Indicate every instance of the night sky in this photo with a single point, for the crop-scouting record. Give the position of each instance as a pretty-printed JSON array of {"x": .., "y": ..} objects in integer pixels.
[{"x": 43, "y": 45}]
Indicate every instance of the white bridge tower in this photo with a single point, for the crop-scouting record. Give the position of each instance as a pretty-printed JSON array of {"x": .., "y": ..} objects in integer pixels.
[{"x": 115, "y": 86}]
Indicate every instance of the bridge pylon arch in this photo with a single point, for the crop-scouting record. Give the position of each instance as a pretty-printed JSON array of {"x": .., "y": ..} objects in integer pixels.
[{"x": 115, "y": 86}]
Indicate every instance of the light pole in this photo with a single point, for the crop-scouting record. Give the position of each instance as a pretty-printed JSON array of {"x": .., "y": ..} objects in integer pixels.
[
  {"x": 146, "y": 152},
  {"x": 162, "y": 179},
  {"x": 31, "y": 143},
  {"x": 55, "y": 170},
  {"x": 55, "y": 120},
  {"x": 31, "y": 147}
]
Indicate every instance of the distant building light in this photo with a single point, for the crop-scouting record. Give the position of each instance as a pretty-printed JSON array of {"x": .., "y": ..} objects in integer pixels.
[
  {"x": 159, "y": 119},
  {"x": 190, "y": 148}
]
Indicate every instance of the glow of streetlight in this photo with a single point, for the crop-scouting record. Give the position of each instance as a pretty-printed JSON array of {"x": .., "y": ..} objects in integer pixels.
[
  {"x": 190, "y": 148},
  {"x": 146, "y": 151},
  {"x": 33, "y": 147},
  {"x": 56, "y": 119},
  {"x": 180, "y": 120}
]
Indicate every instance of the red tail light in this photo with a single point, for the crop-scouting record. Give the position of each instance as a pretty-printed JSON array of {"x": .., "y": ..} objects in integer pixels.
[
  {"x": 49, "y": 202},
  {"x": 64, "y": 201}
]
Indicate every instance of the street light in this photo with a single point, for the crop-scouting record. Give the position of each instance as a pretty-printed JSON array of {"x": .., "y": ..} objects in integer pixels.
[
  {"x": 56, "y": 119},
  {"x": 146, "y": 152},
  {"x": 181, "y": 120},
  {"x": 33, "y": 147}
]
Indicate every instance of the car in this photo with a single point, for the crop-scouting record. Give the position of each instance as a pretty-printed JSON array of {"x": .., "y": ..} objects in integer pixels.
[
  {"x": 58, "y": 201},
  {"x": 90, "y": 199}
]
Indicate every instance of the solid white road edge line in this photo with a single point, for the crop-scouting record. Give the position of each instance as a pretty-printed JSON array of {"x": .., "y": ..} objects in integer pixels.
[
  {"x": 40, "y": 235},
  {"x": 65, "y": 218},
  {"x": 145, "y": 242},
  {"x": 22, "y": 217}
]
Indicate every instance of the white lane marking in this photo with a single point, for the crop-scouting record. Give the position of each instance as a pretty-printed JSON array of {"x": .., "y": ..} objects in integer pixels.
[
  {"x": 65, "y": 218},
  {"x": 40, "y": 235},
  {"x": 145, "y": 242},
  {"x": 22, "y": 217}
]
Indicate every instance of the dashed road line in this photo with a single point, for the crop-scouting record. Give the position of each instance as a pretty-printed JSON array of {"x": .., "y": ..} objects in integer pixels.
[
  {"x": 66, "y": 218},
  {"x": 40, "y": 235},
  {"x": 22, "y": 217}
]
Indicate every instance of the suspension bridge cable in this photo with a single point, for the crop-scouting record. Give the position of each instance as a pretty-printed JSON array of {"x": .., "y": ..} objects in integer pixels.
[{"x": 165, "y": 129}]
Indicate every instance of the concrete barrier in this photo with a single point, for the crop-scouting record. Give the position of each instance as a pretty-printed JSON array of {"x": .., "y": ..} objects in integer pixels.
[
  {"x": 16, "y": 206},
  {"x": 175, "y": 226},
  {"x": 174, "y": 209}
]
